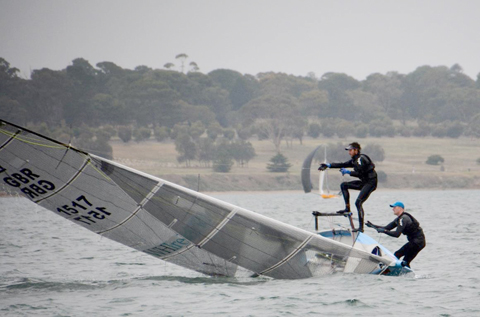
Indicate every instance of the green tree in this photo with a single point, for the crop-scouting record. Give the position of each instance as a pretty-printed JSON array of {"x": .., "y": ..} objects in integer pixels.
[
  {"x": 242, "y": 152},
  {"x": 245, "y": 89},
  {"x": 83, "y": 77},
  {"x": 125, "y": 133},
  {"x": 340, "y": 105},
  {"x": 272, "y": 116},
  {"x": 182, "y": 57},
  {"x": 375, "y": 152},
  {"x": 473, "y": 127},
  {"x": 388, "y": 90},
  {"x": 214, "y": 130},
  {"x": 314, "y": 103},
  {"x": 435, "y": 159},
  {"x": 186, "y": 148},
  {"x": 51, "y": 93},
  {"x": 142, "y": 134},
  {"x": 229, "y": 134},
  {"x": 278, "y": 164},
  {"x": 205, "y": 151},
  {"x": 223, "y": 161},
  {"x": 161, "y": 133},
  {"x": 314, "y": 130},
  {"x": 196, "y": 130}
]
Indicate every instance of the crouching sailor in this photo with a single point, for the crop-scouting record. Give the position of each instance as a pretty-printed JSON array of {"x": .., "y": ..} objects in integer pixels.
[
  {"x": 409, "y": 226},
  {"x": 364, "y": 169}
]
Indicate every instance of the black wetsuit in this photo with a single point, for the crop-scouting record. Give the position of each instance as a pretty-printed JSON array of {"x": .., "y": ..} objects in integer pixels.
[
  {"x": 364, "y": 169},
  {"x": 409, "y": 226}
]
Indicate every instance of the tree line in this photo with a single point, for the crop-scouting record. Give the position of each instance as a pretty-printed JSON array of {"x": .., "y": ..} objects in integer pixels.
[{"x": 191, "y": 106}]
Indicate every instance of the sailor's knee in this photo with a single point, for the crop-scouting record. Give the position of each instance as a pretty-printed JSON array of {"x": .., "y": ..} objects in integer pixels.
[
  {"x": 358, "y": 203},
  {"x": 343, "y": 186}
]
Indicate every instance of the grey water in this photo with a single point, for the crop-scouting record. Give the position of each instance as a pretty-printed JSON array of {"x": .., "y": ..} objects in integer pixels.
[{"x": 52, "y": 267}]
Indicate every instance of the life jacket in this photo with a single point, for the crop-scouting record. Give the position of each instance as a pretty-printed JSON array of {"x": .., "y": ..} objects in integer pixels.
[
  {"x": 413, "y": 228},
  {"x": 365, "y": 173}
]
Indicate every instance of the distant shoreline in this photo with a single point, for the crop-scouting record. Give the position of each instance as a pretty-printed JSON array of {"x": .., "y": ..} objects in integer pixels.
[{"x": 218, "y": 183}]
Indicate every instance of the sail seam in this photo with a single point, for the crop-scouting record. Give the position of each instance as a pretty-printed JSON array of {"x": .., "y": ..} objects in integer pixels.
[
  {"x": 87, "y": 161},
  {"x": 217, "y": 228},
  {"x": 140, "y": 206},
  {"x": 288, "y": 257},
  {"x": 10, "y": 140}
]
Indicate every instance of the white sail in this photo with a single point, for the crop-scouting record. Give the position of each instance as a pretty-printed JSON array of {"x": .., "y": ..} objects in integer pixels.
[
  {"x": 323, "y": 181},
  {"x": 163, "y": 219}
]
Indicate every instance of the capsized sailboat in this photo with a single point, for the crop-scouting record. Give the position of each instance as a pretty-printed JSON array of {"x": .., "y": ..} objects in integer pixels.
[{"x": 168, "y": 221}]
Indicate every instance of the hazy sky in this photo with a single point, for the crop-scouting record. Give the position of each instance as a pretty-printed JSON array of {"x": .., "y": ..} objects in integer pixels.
[{"x": 250, "y": 36}]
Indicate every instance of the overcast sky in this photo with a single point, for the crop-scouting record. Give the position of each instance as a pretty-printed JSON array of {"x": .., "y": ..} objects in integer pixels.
[{"x": 250, "y": 36}]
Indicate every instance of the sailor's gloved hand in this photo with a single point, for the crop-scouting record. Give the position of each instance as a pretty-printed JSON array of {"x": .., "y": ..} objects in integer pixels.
[
  {"x": 324, "y": 166},
  {"x": 371, "y": 225},
  {"x": 380, "y": 230},
  {"x": 344, "y": 171}
]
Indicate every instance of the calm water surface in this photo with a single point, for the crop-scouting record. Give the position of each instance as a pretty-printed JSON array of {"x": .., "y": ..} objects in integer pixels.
[{"x": 52, "y": 267}]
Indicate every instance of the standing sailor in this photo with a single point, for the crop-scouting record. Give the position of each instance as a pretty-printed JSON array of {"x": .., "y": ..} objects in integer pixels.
[
  {"x": 409, "y": 226},
  {"x": 364, "y": 169}
]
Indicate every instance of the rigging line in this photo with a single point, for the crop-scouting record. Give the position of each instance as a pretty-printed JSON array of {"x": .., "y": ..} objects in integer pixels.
[
  {"x": 25, "y": 139},
  {"x": 85, "y": 164},
  {"x": 288, "y": 257},
  {"x": 212, "y": 261},
  {"x": 42, "y": 136},
  {"x": 68, "y": 148},
  {"x": 12, "y": 137},
  {"x": 140, "y": 206}
]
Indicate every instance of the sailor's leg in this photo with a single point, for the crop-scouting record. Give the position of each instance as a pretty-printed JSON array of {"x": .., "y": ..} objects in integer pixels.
[
  {"x": 365, "y": 192},
  {"x": 400, "y": 252},
  {"x": 345, "y": 194},
  {"x": 345, "y": 186},
  {"x": 411, "y": 251}
]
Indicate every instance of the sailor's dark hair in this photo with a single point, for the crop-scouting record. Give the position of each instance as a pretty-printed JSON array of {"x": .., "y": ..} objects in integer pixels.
[{"x": 356, "y": 145}]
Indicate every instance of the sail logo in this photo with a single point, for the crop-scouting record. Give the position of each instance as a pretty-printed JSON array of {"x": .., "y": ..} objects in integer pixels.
[
  {"x": 27, "y": 182},
  {"x": 167, "y": 247}
]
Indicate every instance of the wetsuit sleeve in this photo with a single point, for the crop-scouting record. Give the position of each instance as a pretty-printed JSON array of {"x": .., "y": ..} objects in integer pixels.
[
  {"x": 390, "y": 226},
  {"x": 402, "y": 224},
  {"x": 340, "y": 165}
]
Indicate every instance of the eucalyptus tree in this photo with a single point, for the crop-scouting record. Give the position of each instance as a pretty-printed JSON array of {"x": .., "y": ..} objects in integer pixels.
[
  {"x": 313, "y": 102},
  {"x": 13, "y": 94},
  {"x": 388, "y": 90},
  {"x": 339, "y": 103},
  {"x": 182, "y": 57},
  {"x": 279, "y": 83},
  {"x": 83, "y": 77},
  {"x": 272, "y": 116},
  {"x": 52, "y": 96},
  {"x": 241, "y": 88}
]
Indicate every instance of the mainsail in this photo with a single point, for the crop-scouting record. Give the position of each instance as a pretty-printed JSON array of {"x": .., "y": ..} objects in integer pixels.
[
  {"x": 323, "y": 180},
  {"x": 163, "y": 219}
]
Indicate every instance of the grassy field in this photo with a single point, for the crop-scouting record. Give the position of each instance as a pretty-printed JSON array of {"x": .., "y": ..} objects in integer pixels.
[{"x": 404, "y": 159}]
